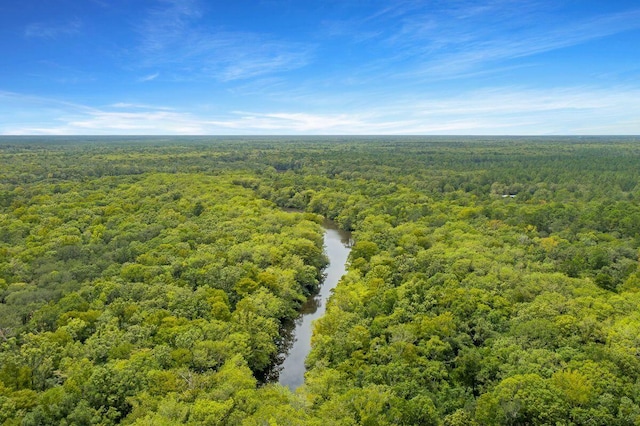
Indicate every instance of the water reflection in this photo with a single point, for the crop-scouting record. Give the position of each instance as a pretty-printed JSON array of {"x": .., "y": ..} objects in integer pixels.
[{"x": 289, "y": 368}]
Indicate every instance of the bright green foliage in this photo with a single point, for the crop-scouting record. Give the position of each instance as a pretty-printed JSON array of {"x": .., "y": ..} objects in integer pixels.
[
  {"x": 126, "y": 291},
  {"x": 491, "y": 281}
]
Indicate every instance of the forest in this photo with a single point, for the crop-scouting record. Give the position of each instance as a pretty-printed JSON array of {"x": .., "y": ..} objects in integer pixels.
[{"x": 492, "y": 280}]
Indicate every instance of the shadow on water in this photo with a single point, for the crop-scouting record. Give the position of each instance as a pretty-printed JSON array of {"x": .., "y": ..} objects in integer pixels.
[{"x": 288, "y": 368}]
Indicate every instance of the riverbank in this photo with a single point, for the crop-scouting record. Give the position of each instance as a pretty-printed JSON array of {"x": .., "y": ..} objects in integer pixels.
[{"x": 337, "y": 247}]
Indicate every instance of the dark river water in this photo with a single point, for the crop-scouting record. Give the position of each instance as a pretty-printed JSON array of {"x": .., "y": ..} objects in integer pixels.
[{"x": 337, "y": 244}]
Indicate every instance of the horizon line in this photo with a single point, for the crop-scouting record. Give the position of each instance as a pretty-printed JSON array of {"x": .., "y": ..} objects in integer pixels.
[{"x": 323, "y": 135}]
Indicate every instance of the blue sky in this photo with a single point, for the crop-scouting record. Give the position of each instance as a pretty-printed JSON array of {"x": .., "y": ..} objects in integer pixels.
[{"x": 319, "y": 67}]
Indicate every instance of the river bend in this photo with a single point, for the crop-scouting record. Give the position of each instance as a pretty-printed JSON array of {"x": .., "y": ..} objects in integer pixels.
[{"x": 337, "y": 245}]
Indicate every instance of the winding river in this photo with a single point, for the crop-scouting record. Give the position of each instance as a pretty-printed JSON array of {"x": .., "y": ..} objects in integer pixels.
[{"x": 337, "y": 245}]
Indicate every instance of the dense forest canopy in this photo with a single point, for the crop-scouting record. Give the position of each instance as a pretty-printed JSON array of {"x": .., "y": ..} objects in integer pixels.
[{"x": 492, "y": 280}]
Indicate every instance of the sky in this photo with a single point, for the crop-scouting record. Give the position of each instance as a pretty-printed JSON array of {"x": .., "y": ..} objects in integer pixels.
[{"x": 319, "y": 67}]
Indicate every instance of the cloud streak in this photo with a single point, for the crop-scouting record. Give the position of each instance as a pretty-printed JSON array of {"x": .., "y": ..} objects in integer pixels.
[
  {"x": 490, "y": 111},
  {"x": 149, "y": 77},
  {"x": 449, "y": 40},
  {"x": 171, "y": 37},
  {"x": 477, "y": 52}
]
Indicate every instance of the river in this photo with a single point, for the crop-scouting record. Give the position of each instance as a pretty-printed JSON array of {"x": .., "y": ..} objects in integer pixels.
[{"x": 337, "y": 244}]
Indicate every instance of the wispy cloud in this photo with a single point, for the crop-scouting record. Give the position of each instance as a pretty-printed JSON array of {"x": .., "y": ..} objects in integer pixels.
[
  {"x": 142, "y": 122},
  {"x": 290, "y": 122},
  {"x": 501, "y": 110},
  {"x": 149, "y": 77},
  {"x": 43, "y": 116},
  {"x": 171, "y": 37},
  {"x": 454, "y": 38},
  {"x": 49, "y": 30},
  {"x": 459, "y": 56},
  {"x": 35, "y": 102},
  {"x": 136, "y": 106}
]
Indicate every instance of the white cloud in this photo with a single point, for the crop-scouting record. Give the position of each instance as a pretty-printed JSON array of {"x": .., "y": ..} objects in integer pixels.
[
  {"x": 118, "y": 123},
  {"x": 149, "y": 77},
  {"x": 506, "y": 110},
  {"x": 452, "y": 39},
  {"x": 129, "y": 105},
  {"x": 171, "y": 37},
  {"x": 457, "y": 57}
]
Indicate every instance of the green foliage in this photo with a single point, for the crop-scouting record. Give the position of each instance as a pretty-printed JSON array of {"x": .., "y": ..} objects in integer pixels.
[{"x": 492, "y": 281}]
